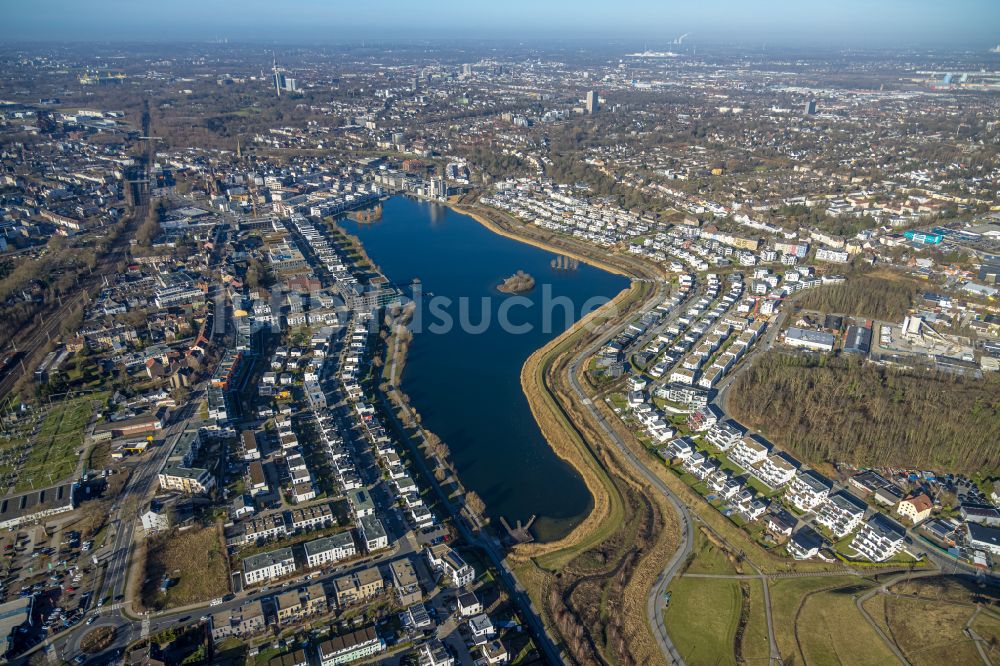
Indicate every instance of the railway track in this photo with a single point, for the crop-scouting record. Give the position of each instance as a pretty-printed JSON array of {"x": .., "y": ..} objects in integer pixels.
[{"x": 33, "y": 340}]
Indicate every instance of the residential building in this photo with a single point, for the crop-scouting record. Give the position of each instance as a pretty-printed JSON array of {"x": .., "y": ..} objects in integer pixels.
[
  {"x": 416, "y": 617},
  {"x": 256, "y": 481},
  {"x": 469, "y": 604},
  {"x": 361, "y": 504},
  {"x": 251, "y": 450},
  {"x": 359, "y": 586},
  {"x": 804, "y": 544},
  {"x": 494, "y": 652},
  {"x": 448, "y": 563},
  {"x": 917, "y": 508},
  {"x": 481, "y": 627},
  {"x": 434, "y": 654},
  {"x": 190, "y": 480},
  {"x": 777, "y": 470},
  {"x": 333, "y": 548},
  {"x": 832, "y": 256},
  {"x": 748, "y": 452},
  {"x": 405, "y": 582},
  {"x": 314, "y": 600},
  {"x": 288, "y": 606},
  {"x": 724, "y": 435},
  {"x": 350, "y": 647},
  {"x": 268, "y": 566},
  {"x": 241, "y": 622},
  {"x": 311, "y": 517},
  {"x": 841, "y": 513},
  {"x": 260, "y": 529},
  {"x": 879, "y": 539},
  {"x": 372, "y": 533},
  {"x": 808, "y": 490}
]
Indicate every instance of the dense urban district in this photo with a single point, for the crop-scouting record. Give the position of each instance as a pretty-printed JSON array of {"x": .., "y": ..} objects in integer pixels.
[{"x": 788, "y": 424}]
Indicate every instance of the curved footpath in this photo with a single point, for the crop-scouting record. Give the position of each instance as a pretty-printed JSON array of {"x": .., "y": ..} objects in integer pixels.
[{"x": 655, "y": 602}]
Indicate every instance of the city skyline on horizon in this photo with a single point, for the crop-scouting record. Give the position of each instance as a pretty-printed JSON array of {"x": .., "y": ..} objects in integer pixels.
[{"x": 853, "y": 23}]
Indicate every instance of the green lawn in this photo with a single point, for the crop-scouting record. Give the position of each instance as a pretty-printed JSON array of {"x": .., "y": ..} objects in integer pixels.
[
  {"x": 708, "y": 558},
  {"x": 828, "y": 618},
  {"x": 702, "y": 619},
  {"x": 756, "y": 647}
]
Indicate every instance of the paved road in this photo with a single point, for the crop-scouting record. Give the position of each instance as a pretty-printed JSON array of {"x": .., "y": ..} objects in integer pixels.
[
  {"x": 655, "y": 603},
  {"x": 117, "y": 562},
  {"x": 491, "y": 548}
]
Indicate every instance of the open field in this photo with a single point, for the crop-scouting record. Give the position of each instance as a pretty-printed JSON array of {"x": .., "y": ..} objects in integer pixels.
[
  {"x": 709, "y": 558},
  {"x": 702, "y": 619},
  {"x": 824, "y": 620},
  {"x": 926, "y": 618},
  {"x": 755, "y": 646},
  {"x": 812, "y": 615},
  {"x": 53, "y": 455},
  {"x": 195, "y": 560},
  {"x": 987, "y": 625},
  {"x": 737, "y": 631},
  {"x": 929, "y": 632}
]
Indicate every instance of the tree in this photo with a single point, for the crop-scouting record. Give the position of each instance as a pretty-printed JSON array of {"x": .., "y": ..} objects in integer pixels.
[{"x": 475, "y": 503}]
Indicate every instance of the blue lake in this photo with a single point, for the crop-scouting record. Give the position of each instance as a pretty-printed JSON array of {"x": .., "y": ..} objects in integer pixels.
[{"x": 465, "y": 380}]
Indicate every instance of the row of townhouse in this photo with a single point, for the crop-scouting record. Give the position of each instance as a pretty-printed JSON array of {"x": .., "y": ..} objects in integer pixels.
[
  {"x": 700, "y": 337},
  {"x": 401, "y": 484},
  {"x": 722, "y": 482},
  {"x": 331, "y": 549},
  {"x": 281, "y": 525},
  {"x": 652, "y": 420},
  {"x": 551, "y": 208}
]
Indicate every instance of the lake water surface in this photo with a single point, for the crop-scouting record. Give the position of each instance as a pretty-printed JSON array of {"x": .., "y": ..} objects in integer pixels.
[{"x": 466, "y": 384}]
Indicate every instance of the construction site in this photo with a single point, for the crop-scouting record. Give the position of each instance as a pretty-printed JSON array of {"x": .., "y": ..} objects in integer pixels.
[{"x": 916, "y": 342}]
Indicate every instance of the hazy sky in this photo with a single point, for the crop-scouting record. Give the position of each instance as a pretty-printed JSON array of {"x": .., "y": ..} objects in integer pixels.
[{"x": 975, "y": 23}]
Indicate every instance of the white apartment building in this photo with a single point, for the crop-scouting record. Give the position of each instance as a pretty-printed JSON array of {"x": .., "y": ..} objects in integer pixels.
[
  {"x": 724, "y": 435},
  {"x": 879, "y": 539},
  {"x": 808, "y": 490},
  {"x": 775, "y": 471},
  {"x": 841, "y": 513},
  {"x": 748, "y": 452},
  {"x": 329, "y": 549},
  {"x": 268, "y": 566}
]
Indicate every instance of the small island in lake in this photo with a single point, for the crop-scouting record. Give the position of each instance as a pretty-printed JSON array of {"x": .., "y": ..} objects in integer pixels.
[{"x": 517, "y": 283}]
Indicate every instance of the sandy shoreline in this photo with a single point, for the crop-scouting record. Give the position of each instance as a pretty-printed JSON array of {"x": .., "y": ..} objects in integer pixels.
[
  {"x": 542, "y": 245},
  {"x": 562, "y": 443}
]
